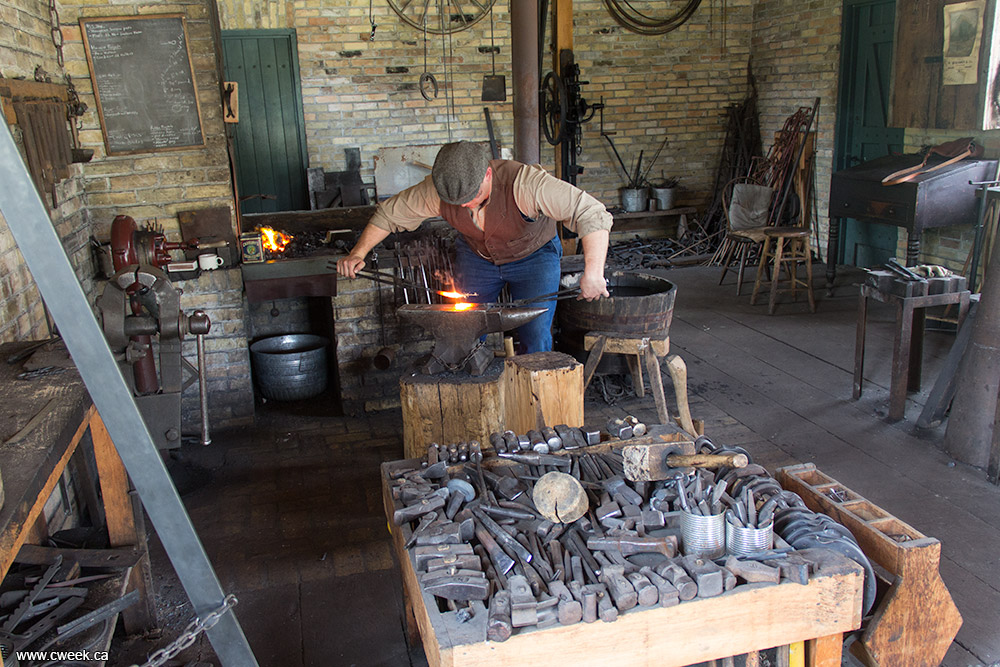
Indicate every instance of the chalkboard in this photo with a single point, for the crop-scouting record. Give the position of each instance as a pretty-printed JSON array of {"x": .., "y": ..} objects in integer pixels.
[{"x": 143, "y": 81}]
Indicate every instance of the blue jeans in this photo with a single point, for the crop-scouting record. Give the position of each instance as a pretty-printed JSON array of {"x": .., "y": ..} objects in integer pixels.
[{"x": 532, "y": 276}]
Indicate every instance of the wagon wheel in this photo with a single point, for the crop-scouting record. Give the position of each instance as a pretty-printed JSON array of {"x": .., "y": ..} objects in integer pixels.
[
  {"x": 554, "y": 107},
  {"x": 441, "y": 16}
]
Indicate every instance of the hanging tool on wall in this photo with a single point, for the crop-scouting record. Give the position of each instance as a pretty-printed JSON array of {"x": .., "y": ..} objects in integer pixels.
[
  {"x": 494, "y": 85},
  {"x": 426, "y": 78}
]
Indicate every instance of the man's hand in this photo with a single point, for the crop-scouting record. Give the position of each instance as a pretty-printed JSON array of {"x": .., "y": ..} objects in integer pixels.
[
  {"x": 593, "y": 286},
  {"x": 371, "y": 236},
  {"x": 350, "y": 265}
]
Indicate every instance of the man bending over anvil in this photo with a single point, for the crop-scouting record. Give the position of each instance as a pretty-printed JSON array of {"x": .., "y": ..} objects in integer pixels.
[{"x": 506, "y": 214}]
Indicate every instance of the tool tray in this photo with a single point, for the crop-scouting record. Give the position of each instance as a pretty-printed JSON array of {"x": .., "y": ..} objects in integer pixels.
[
  {"x": 914, "y": 619},
  {"x": 827, "y": 606}
]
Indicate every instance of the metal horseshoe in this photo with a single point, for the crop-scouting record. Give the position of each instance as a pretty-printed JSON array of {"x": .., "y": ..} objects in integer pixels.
[{"x": 426, "y": 78}]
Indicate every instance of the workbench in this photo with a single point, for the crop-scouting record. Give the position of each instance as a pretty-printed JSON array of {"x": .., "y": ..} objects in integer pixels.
[
  {"x": 908, "y": 345},
  {"x": 45, "y": 418},
  {"x": 747, "y": 618}
]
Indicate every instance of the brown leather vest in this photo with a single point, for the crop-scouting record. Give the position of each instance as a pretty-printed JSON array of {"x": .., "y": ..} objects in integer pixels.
[{"x": 507, "y": 234}]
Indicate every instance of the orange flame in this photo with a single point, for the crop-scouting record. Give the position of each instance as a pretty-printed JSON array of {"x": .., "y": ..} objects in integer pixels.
[
  {"x": 452, "y": 295},
  {"x": 274, "y": 240},
  {"x": 464, "y": 306}
]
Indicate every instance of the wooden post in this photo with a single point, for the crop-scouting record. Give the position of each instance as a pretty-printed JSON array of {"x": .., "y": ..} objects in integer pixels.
[
  {"x": 450, "y": 408},
  {"x": 121, "y": 516},
  {"x": 542, "y": 389}
]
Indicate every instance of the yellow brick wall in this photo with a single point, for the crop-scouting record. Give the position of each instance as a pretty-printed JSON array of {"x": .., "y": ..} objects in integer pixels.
[
  {"x": 27, "y": 44},
  {"x": 674, "y": 86},
  {"x": 151, "y": 187},
  {"x": 796, "y": 58},
  {"x": 364, "y": 93}
]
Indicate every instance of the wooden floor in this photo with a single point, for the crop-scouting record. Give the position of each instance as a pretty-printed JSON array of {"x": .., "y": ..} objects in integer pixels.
[
  {"x": 290, "y": 515},
  {"x": 781, "y": 386}
]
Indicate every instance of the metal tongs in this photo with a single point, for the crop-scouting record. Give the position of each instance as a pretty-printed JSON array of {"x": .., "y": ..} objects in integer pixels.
[
  {"x": 391, "y": 279},
  {"x": 566, "y": 293},
  {"x": 903, "y": 272}
]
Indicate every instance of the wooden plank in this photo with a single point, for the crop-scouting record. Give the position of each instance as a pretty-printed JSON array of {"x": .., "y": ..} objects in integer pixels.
[
  {"x": 30, "y": 507},
  {"x": 32, "y": 554},
  {"x": 120, "y": 515}
]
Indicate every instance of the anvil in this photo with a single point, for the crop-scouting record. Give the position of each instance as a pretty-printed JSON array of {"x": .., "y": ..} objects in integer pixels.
[{"x": 457, "y": 328}]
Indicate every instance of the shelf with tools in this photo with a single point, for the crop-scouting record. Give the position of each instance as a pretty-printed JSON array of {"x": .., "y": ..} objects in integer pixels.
[
  {"x": 652, "y": 223},
  {"x": 819, "y": 596}
]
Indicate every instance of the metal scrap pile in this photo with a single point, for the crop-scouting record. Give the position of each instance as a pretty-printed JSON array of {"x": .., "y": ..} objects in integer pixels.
[
  {"x": 556, "y": 531},
  {"x": 695, "y": 246}
]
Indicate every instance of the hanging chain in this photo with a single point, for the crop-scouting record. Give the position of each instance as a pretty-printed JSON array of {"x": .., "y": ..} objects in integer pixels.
[
  {"x": 461, "y": 364},
  {"x": 57, "y": 37},
  {"x": 190, "y": 634}
]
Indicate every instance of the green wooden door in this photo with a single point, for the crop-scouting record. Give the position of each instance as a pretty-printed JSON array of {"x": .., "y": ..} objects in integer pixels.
[
  {"x": 269, "y": 141},
  {"x": 862, "y": 117}
]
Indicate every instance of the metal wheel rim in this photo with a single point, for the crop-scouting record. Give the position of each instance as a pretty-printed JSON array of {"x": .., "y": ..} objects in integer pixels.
[{"x": 429, "y": 14}]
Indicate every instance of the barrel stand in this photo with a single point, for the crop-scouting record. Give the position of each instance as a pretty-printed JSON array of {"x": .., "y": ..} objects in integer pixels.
[{"x": 639, "y": 349}]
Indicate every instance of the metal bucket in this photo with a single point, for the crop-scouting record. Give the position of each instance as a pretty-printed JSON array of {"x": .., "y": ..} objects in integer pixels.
[
  {"x": 703, "y": 535},
  {"x": 634, "y": 199},
  {"x": 291, "y": 367},
  {"x": 742, "y": 541},
  {"x": 664, "y": 197}
]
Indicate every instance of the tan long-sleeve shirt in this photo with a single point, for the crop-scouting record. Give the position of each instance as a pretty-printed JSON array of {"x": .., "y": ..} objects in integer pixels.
[{"x": 536, "y": 192}]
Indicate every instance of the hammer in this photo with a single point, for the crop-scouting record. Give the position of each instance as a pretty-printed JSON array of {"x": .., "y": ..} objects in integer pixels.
[{"x": 659, "y": 461}]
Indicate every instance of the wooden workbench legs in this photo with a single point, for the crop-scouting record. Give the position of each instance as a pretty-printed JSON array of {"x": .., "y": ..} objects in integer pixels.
[
  {"x": 825, "y": 651},
  {"x": 125, "y": 525},
  {"x": 902, "y": 358}
]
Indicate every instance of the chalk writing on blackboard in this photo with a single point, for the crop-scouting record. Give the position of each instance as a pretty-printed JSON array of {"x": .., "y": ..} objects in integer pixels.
[{"x": 143, "y": 81}]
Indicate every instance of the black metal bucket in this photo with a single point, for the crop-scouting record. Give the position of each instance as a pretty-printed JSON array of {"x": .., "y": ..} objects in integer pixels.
[{"x": 291, "y": 367}]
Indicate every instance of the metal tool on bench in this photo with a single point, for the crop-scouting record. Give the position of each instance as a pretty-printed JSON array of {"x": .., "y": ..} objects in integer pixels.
[{"x": 457, "y": 329}]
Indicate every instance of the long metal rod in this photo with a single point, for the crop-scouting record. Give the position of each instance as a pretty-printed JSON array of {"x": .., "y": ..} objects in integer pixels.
[
  {"x": 43, "y": 252},
  {"x": 206, "y": 439}
]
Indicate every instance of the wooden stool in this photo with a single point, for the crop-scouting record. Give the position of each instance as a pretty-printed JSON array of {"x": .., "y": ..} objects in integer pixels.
[
  {"x": 785, "y": 246},
  {"x": 638, "y": 349}
]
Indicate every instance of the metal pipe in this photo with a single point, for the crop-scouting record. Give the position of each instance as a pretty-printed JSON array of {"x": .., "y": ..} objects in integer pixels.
[
  {"x": 28, "y": 220},
  {"x": 524, "y": 63},
  {"x": 206, "y": 439}
]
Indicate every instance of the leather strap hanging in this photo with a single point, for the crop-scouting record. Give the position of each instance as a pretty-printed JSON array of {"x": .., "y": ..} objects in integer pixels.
[{"x": 956, "y": 150}]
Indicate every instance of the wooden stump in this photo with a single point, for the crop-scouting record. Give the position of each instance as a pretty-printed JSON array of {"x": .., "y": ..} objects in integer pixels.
[
  {"x": 542, "y": 389},
  {"x": 450, "y": 408}
]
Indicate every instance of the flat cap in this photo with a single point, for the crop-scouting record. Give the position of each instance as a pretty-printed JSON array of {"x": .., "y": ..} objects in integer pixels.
[{"x": 459, "y": 170}]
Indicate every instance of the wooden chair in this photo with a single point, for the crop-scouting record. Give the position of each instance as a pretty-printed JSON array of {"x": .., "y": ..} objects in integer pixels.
[
  {"x": 746, "y": 204},
  {"x": 785, "y": 247}
]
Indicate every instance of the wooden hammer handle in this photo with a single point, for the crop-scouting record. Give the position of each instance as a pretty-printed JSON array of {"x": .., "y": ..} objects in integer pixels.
[{"x": 733, "y": 460}]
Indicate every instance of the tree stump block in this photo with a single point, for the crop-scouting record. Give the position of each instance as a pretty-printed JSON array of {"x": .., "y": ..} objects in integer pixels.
[
  {"x": 542, "y": 389},
  {"x": 450, "y": 407}
]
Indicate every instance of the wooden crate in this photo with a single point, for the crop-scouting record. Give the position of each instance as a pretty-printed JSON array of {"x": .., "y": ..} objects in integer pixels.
[
  {"x": 914, "y": 623},
  {"x": 748, "y": 618}
]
